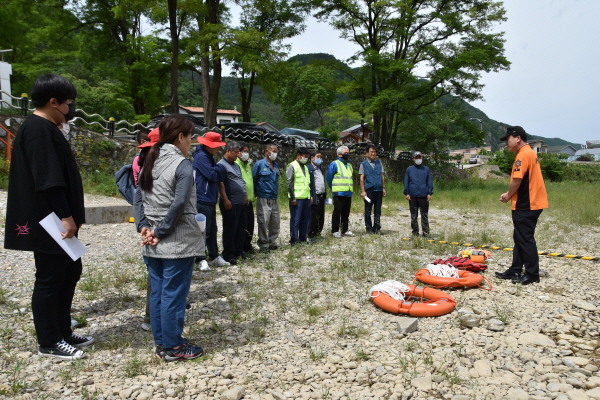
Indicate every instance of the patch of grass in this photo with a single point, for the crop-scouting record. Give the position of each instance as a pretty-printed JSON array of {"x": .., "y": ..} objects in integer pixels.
[
  {"x": 135, "y": 366},
  {"x": 362, "y": 354},
  {"x": 92, "y": 283},
  {"x": 100, "y": 183},
  {"x": 503, "y": 313},
  {"x": 3, "y": 293},
  {"x": 81, "y": 320},
  {"x": 315, "y": 352}
]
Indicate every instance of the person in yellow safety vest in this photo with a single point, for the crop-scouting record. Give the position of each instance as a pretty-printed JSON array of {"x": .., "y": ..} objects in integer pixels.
[
  {"x": 339, "y": 179},
  {"x": 301, "y": 190},
  {"x": 245, "y": 164}
]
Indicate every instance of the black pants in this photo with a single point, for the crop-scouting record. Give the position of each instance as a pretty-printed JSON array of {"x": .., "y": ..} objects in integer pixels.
[
  {"x": 56, "y": 276},
  {"x": 341, "y": 213},
  {"x": 211, "y": 230},
  {"x": 234, "y": 230},
  {"x": 249, "y": 227},
  {"x": 525, "y": 252},
  {"x": 416, "y": 203},
  {"x": 317, "y": 216},
  {"x": 376, "y": 200}
]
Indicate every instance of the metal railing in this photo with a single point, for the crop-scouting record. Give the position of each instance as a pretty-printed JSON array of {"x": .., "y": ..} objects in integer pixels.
[{"x": 110, "y": 126}]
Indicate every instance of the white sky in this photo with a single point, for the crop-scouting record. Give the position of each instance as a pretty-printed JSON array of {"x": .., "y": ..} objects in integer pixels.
[{"x": 553, "y": 86}]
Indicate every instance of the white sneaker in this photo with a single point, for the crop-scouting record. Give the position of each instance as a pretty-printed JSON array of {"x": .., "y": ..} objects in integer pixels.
[
  {"x": 204, "y": 266},
  {"x": 218, "y": 262},
  {"x": 337, "y": 235},
  {"x": 61, "y": 350},
  {"x": 349, "y": 234}
]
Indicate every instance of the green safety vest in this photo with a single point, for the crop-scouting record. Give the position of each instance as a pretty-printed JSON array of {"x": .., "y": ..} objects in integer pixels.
[
  {"x": 301, "y": 181},
  {"x": 342, "y": 180}
]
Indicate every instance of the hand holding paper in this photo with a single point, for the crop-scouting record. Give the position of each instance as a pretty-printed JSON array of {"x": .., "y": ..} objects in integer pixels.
[{"x": 71, "y": 245}]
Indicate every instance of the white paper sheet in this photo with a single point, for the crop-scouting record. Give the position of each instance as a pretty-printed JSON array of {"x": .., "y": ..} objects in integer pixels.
[{"x": 73, "y": 247}]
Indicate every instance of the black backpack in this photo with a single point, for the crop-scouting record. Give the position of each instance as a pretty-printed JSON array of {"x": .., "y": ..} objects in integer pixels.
[{"x": 124, "y": 180}]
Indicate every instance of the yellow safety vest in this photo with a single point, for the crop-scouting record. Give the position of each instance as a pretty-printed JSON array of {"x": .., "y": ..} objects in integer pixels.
[
  {"x": 342, "y": 180},
  {"x": 301, "y": 181}
]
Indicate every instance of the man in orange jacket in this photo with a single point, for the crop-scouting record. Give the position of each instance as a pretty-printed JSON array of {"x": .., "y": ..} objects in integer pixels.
[{"x": 528, "y": 197}]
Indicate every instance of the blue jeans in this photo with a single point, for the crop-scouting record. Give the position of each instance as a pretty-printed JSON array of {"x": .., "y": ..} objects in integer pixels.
[
  {"x": 299, "y": 220},
  {"x": 170, "y": 280}
]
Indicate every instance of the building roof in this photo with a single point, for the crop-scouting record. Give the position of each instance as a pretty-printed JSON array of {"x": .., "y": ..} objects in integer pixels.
[
  {"x": 354, "y": 128},
  {"x": 587, "y": 151},
  {"x": 198, "y": 110},
  {"x": 556, "y": 149},
  {"x": 305, "y": 133}
]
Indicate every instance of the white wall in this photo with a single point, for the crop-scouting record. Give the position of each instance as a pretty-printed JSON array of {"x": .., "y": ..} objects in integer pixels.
[{"x": 5, "y": 72}]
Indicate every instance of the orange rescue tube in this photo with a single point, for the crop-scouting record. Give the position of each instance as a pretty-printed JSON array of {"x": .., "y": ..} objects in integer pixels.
[
  {"x": 466, "y": 279},
  {"x": 438, "y": 303}
]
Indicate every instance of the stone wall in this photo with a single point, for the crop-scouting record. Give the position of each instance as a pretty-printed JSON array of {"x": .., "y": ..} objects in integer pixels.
[
  {"x": 93, "y": 151},
  {"x": 97, "y": 152}
]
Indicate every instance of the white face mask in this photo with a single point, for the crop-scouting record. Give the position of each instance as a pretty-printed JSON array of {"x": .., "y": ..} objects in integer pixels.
[
  {"x": 273, "y": 156},
  {"x": 418, "y": 161},
  {"x": 303, "y": 160},
  {"x": 245, "y": 156}
]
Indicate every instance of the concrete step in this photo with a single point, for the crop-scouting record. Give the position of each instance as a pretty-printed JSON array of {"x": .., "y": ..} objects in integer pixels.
[{"x": 108, "y": 213}]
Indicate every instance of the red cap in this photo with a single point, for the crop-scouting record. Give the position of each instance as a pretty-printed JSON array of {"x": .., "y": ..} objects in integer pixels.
[
  {"x": 153, "y": 137},
  {"x": 211, "y": 139}
]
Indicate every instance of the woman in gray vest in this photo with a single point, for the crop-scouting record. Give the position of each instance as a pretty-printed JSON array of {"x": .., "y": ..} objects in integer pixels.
[{"x": 165, "y": 207}]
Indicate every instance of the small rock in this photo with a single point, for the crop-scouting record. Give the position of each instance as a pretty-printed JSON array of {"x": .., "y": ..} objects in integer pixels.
[
  {"x": 170, "y": 392},
  {"x": 277, "y": 396},
  {"x": 234, "y": 394},
  {"x": 573, "y": 361},
  {"x": 537, "y": 339},
  {"x": 495, "y": 325},
  {"x": 422, "y": 383},
  {"x": 350, "y": 305},
  {"x": 577, "y": 395},
  {"x": 585, "y": 305},
  {"x": 594, "y": 393},
  {"x": 470, "y": 320},
  {"x": 407, "y": 324},
  {"x": 483, "y": 367},
  {"x": 460, "y": 397},
  {"x": 517, "y": 394}
]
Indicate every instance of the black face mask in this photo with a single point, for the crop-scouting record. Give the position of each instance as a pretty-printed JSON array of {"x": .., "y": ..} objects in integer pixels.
[
  {"x": 346, "y": 156},
  {"x": 71, "y": 114}
]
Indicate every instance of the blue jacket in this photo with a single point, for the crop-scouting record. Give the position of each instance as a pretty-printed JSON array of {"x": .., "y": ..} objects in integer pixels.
[
  {"x": 331, "y": 172},
  {"x": 207, "y": 177},
  {"x": 417, "y": 181},
  {"x": 266, "y": 180},
  {"x": 373, "y": 176}
]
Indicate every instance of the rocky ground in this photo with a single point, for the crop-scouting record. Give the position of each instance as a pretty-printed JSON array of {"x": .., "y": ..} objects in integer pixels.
[{"x": 298, "y": 323}]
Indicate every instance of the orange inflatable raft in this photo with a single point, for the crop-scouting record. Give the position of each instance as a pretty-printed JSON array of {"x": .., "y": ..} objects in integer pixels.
[
  {"x": 465, "y": 279},
  {"x": 437, "y": 302}
]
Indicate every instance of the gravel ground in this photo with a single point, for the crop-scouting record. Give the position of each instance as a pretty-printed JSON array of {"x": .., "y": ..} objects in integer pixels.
[{"x": 298, "y": 324}]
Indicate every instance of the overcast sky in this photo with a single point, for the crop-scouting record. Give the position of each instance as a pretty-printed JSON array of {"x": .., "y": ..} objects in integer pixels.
[{"x": 552, "y": 88}]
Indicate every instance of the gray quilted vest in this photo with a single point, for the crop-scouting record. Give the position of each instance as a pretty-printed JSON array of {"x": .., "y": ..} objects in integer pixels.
[{"x": 186, "y": 240}]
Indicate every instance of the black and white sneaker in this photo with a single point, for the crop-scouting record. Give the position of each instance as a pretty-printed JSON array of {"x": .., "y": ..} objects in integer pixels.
[
  {"x": 183, "y": 352},
  {"x": 160, "y": 351},
  {"x": 79, "y": 341},
  {"x": 61, "y": 350}
]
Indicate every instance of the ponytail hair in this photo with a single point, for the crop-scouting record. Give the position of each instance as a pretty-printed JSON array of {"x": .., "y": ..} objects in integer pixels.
[{"x": 169, "y": 129}]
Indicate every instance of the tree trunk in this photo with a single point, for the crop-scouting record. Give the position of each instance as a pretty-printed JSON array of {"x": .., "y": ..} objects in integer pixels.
[
  {"x": 172, "y": 4},
  {"x": 210, "y": 58}
]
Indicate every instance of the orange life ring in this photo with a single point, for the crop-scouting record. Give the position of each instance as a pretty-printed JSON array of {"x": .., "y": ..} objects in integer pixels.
[
  {"x": 438, "y": 303},
  {"x": 466, "y": 278}
]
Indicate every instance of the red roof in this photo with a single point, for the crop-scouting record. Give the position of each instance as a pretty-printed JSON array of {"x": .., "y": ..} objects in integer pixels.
[{"x": 201, "y": 110}]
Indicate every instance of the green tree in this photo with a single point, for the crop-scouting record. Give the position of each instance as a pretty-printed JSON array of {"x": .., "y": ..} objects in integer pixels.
[
  {"x": 450, "y": 42},
  {"x": 438, "y": 130},
  {"x": 308, "y": 89},
  {"x": 257, "y": 44}
]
